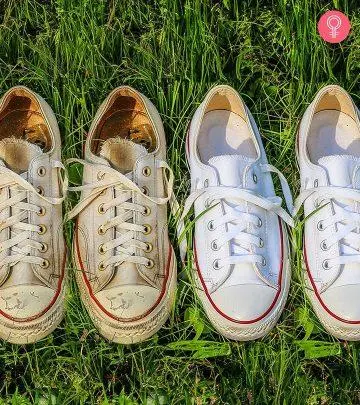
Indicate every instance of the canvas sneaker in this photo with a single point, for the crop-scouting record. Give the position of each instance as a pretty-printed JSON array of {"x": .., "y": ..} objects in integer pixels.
[
  {"x": 329, "y": 159},
  {"x": 32, "y": 188},
  {"x": 241, "y": 253},
  {"x": 126, "y": 264}
]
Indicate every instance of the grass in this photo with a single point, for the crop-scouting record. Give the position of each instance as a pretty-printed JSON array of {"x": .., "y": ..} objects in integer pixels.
[{"x": 73, "y": 52}]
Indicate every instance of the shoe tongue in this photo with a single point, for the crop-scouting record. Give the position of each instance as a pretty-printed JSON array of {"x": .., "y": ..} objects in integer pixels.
[
  {"x": 230, "y": 168},
  {"x": 122, "y": 153},
  {"x": 340, "y": 169},
  {"x": 18, "y": 153}
]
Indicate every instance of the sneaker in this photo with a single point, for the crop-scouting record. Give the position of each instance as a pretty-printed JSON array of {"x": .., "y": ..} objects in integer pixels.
[
  {"x": 241, "y": 253},
  {"x": 329, "y": 160},
  {"x": 32, "y": 249},
  {"x": 127, "y": 276}
]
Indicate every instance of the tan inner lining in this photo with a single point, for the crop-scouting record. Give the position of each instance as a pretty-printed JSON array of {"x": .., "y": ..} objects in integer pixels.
[
  {"x": 21, "y": 118},
  {"x": 125, "y": 117}
]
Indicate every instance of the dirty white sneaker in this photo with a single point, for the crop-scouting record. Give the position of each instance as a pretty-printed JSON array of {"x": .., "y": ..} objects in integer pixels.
[
  {"x": 329, "y": 159},
  {"x": 32, "y": 250},
  {"x": 240, "y": 244},
  {"x": 127, "y": 268}
]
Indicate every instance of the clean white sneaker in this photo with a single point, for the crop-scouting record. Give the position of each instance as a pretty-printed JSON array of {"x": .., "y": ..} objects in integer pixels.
[
  {"x": 329, "y": 157},
  {"x": 241, "y": 252},
  {"x": 127, "y": 268},
  {"x": 32, "y": 248}
]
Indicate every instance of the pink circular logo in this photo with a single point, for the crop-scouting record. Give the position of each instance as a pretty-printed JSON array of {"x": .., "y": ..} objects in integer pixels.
[{"x": 334, "y": 26}]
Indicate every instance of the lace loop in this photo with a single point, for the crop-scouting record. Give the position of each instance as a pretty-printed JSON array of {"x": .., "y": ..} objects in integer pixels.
[
  {"x": 125, "y": 243},
  {"x": 20, "y": 244}
]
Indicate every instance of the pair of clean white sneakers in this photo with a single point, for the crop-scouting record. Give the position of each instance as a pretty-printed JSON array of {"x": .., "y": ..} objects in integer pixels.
[
  {"x": 125, "y": 264},
  {"x": 241, "y": 250}
]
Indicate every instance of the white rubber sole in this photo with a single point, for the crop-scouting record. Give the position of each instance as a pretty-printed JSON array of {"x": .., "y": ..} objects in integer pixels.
[
  {"x": 130, "y": 332},
  {"x": 246, "y": 332},
  {"x": 31, "y": 332}
]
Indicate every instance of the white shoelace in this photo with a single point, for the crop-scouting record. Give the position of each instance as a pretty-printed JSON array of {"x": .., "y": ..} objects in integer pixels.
[
  {"x": 20, "y": 244},
  {"x": 127, "y": 244},
  {"x": 345, "y": 221},
  {"x": 235, "y": 216}
]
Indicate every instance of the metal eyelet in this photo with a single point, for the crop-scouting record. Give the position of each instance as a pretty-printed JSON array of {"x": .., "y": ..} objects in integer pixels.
[
  {"x": 147, "y": 229},
  {"x": 261, "y": 243},
  {"x": 101, "y": 230},
  {"x": 149, "y": 264},
  {"x": 101, "y": 249},
  {"x": 45, "y": 264},
  {"x": 216, "y": 265},
  {"x": 40, "y": 190},
  {"x": 101, "y": 266},
  {"x": 320, "y": 226},
  {"x": 254, "y": 176},
  {"x": 101, "y": 209},
  {"x": 214, "y": 245},
  {"x": 100, "y": 175},
  {"x": 42, "y": 211},
  {"x": 146, "y": 171},
  {"x": 325, "y": 265},
  {"x": 42, "y": 229},
  {"x": 259, "y": 224},
  {"x": 263, "y": 262},
  {"x": 146, "y": 211},
  {"x": 44, "y": 248},
  {"x": 149, "y": 247},
  {"x": 316, "y": 183},
  {"x": 323, "y": 245},
  {"x": 210, "y": 225},
  {"x": 145, "y": 190},
  {"x": 206, "y": 183},
  {"x": 41, "y": 171}
]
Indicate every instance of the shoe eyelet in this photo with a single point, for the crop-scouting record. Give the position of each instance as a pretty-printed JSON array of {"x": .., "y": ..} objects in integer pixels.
[
  {"x": 101, "y": 266},
  {"x": 320, "y": 226},
  {"x": 42, "y": 211},
  {"x": 100, "y": 175},
  {"x": 44, "y": 248},
  {"x": 149, "y": 247},
  {"x": 45, "y": 264},
  {"x": 101, "y": 249},
  {"x": 210, "y": 225},
  {"x": 147, "y": 229},
  {"x": 214, "y": 245},
  {"x": 42, "y": 229},
  {"x": 101, "y": 230},
  {"x": 40, "y": 190},
  {"x": 101, "y": 209},
  {"x": 259, "y": 224},
  {"x": 324, "y": 246},
  {"x": 325, "y": 265},
  {"x": 146, "y": 211},
  {"x": 261, "y": 243},
  {"x": 255, "y": 179},
  {"x": 263, "y": 262},
  {"x": 146, "y": 171},
  {"x": 145, "y": 190},
  {"x": 206, "y": 183},
  {"x": 149, "y": 264},
  {"x": 41, "y": 171},
  {"x": 316, "y": 183},
  {"x": 216, "y": 265}
]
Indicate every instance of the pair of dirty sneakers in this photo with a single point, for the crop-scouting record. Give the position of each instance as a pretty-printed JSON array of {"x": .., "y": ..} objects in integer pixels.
[{"x": 125, "y": 264}]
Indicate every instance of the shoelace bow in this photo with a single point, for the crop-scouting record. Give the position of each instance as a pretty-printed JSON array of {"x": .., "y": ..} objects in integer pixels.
[
  {"x": 125, "y": 246},
  {"x": 345, "y": 221},
  {"x": 240, "y": 233},
  {"x": 20, "y": 244}
]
